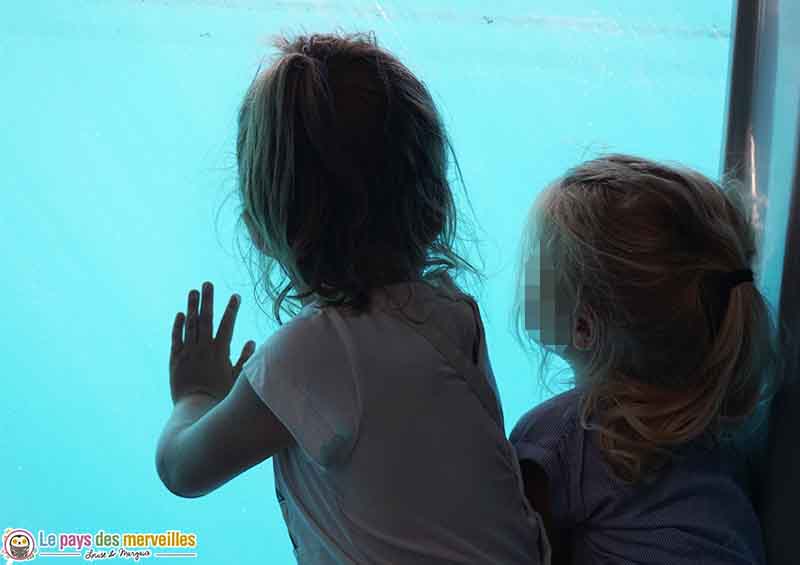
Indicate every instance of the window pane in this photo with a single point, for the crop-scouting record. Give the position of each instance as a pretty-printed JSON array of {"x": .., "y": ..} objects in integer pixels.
[{"x": 120, "y": 123}]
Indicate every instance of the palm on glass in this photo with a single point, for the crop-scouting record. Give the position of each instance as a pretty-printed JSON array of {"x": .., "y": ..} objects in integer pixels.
[{"x": 200, "y": 363}]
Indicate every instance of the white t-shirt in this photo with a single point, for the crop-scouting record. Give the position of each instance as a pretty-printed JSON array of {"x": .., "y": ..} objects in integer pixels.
[{"x": 396, "y": 461}]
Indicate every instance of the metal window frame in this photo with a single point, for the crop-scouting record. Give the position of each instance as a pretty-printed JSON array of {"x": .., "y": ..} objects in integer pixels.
[{"x": 756, "y": 74}]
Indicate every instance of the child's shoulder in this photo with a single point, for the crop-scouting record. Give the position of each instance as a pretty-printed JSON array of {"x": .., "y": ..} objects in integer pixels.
[
  {"x": 554, "y": 417},
  {"x": 312, "y": 325}
]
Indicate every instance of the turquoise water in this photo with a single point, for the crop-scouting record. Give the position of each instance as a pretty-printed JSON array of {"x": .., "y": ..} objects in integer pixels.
[{"x": 118, "y": 121}]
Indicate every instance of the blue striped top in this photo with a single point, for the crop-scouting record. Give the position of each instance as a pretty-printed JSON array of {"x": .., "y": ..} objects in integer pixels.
[{"x": 696, "y": 510}]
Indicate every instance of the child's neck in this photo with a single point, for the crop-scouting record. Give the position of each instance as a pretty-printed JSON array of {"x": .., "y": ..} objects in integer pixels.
[{"x": 313, "y": 297}]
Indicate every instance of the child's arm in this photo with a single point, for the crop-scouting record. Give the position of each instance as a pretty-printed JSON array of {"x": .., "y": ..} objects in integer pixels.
[
  {"x": 207, "y": 442},
  {"x": 537, "y": 491}
]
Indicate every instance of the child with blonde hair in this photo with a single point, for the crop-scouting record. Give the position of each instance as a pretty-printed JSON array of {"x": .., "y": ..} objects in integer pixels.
[{"x": 639, "y": 275}]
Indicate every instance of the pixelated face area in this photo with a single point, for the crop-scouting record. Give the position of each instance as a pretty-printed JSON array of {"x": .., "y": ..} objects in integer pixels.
[{"x": 547, "y": 309}]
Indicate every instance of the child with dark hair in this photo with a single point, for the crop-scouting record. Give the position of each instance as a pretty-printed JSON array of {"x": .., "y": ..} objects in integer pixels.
[
  {"x": 639, "y": 275},
  {"x": 376, "y": 400}
]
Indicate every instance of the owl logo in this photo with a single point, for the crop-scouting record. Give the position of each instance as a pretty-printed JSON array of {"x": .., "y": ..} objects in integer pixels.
[{"x": 18, "y": 545}]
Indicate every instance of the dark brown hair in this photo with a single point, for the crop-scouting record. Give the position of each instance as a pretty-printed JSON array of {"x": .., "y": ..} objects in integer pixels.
[
  {"x": 636, "y": 245},
  {"x": 342, "y": 160}
]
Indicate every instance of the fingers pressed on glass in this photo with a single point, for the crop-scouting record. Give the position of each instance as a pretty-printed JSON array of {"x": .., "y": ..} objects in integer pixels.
[
  {"x": 177, "y": 333},
  {"x": 205, "y": 320},
  {"x": 191, "y": 317},
  {"x": 226, "y": 325}
]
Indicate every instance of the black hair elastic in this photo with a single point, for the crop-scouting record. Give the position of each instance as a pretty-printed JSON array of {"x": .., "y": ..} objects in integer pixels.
[
  {"x": 735, "y": 278},
  {"x": 716, "y": 294}
]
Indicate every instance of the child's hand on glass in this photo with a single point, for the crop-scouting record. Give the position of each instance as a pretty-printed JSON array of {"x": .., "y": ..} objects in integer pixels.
[{"x": 200, "y": 363}]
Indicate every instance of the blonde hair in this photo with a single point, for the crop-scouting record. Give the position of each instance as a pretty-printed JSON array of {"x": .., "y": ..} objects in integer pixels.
[
  {"x": 343, "y": 161},
  {"x": 638, "y": 246}
]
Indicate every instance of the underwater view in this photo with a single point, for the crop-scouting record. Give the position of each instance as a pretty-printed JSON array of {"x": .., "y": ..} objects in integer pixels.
[{"x": 119, "y": 180}]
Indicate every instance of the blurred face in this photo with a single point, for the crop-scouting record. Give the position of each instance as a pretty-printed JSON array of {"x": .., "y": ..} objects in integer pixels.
[
  {"x": 545, "y": 315},
  {"x": 548, "y": 309}
]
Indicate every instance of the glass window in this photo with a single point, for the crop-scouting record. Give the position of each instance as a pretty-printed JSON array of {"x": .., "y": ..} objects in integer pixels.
[{"x": 119, "y": 120}]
